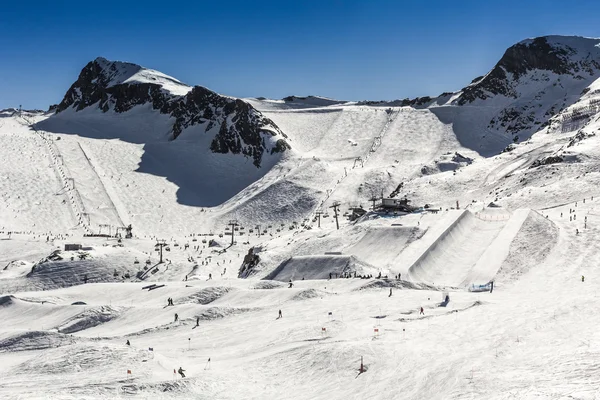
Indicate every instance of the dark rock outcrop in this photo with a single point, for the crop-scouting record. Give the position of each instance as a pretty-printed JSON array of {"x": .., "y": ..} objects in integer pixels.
[{"x": 251, "y": 260}]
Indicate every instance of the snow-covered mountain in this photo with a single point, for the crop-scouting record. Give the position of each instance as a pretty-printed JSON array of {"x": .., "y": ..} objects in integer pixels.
[
  {"x": 534, "y": 80},
  {"x": 119, "y": 87}
]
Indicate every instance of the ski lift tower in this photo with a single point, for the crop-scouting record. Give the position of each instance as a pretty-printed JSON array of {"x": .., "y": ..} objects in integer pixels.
[
  {"x": 336, "y": 206},
  {"x": 374, "y": 199},
  {"x": 160, "y": 244},
  {"x": 319, "y": 213},
  {"x": 233, "y": 223}
]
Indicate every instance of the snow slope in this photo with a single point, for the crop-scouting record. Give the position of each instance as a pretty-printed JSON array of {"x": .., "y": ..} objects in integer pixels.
[{"x": 67, "y": 320}]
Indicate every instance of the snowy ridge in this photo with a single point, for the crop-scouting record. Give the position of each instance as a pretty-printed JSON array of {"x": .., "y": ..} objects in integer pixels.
[{"x": 117, "y": 73}]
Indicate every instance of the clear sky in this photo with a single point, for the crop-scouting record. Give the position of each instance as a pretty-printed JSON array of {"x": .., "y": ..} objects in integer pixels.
[{"x": 351, "y": 50}]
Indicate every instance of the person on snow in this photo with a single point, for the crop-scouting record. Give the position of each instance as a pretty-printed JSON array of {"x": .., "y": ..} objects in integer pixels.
[
  {"x": 422, "y": 311},
  {"x": 280, "y": 315},
  {"x": 181, "y": 372},
  {"x": 176, "y": 317},
  {"x": 197, "y": 321},
  {"x": 127, "y": 343},
  {"x": 390, "y": 293},
  {"x": 291, "y": 284},
  {"x": 582, "y": 278}
]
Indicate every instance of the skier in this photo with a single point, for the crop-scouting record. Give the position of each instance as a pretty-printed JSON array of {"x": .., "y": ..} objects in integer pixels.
[
  {"x": 291, "y": 284},
  {"x": 181, "y": 372},
  {"x": 330, "y": 275},
  {"x": 280, "y": 315},
  {"x": 209, "y": 277},
  {"x": 176, "y": 317},
  {"x": 127, "y": 343},
  {"x": 491, "y": 286},
  {"x": 582, "y": 278},
  {"x": 197, "y": 321},
  {"x": 422, "y": 311},
  {"x": 390, "y": 293}
]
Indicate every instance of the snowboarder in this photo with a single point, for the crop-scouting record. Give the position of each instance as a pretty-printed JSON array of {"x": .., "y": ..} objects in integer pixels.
[
  {"x": 422, "y": 311},
  {"x": 291, "y": 284},
  {"x": 280, "y": 315},
  {"x": 181, "y": 372},
  {"x": 176, "y": 317}
]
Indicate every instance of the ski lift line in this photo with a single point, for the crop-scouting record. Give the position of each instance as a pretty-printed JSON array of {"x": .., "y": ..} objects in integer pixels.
[
  {"x": 63, "y": 176},
  {"x": 376, "y": 144}
]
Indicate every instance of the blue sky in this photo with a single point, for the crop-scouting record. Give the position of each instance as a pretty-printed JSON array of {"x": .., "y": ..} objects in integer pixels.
[{"x": 350, "y": 50}]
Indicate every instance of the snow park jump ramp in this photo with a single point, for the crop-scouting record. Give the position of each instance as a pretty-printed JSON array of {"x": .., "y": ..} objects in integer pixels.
[
  {"x": 382, "y": 246},
  {"x": 471, "y": 250},
  {"x": 319, "y": 267}
]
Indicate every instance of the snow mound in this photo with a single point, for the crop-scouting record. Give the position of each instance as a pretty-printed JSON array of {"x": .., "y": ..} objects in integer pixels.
[
  {"x": 35, "y": 340},
  {"x": 319, "y": 267},
  {"x": 268, "y": 285},
  {"x": 206, "y": 296},
  {"x": 89, "y": 318},
  {"x": 308, "y": 294},
  {"x": 398, "y": 284},
  {"x": 530, "y": 247}
]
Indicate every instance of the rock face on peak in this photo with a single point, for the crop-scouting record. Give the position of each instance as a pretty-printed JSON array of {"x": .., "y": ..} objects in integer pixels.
[
  {"x": 572, "y": 56},
  {"x": 118, "y": 87},
  {"x": 533, "y": 81}
]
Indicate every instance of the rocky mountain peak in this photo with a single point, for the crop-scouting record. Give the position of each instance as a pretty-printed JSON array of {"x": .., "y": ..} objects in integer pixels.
[
  {"x": 118, "y": 87},
  {"x": 577, "y": 57}
]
